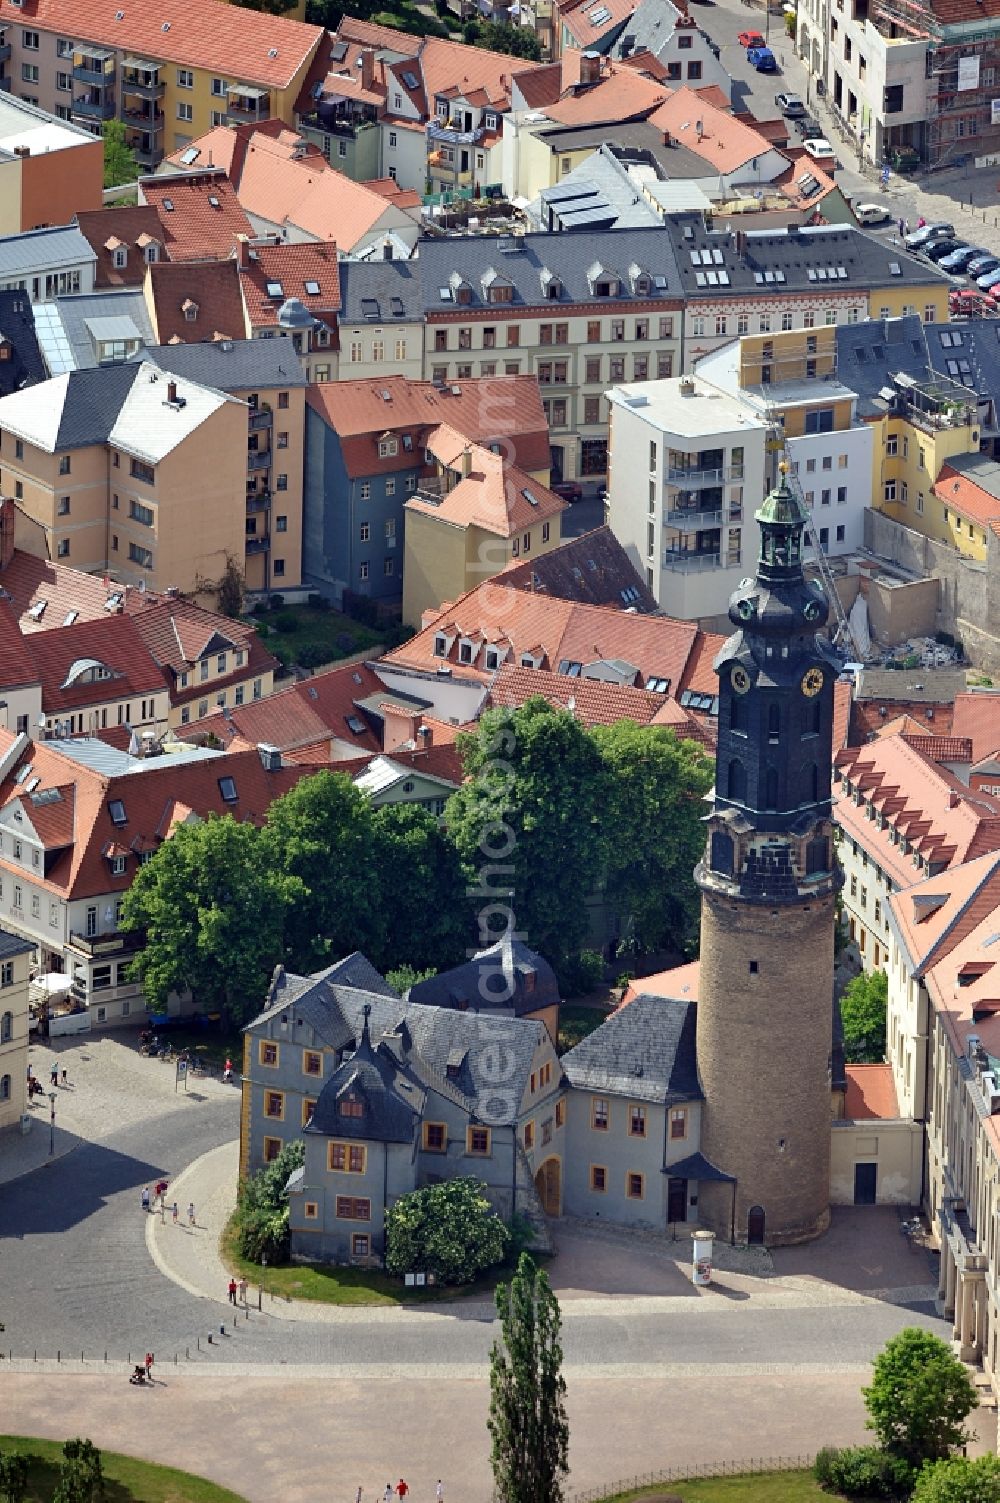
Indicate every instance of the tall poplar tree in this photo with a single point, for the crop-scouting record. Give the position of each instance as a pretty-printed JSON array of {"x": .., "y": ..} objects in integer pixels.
[{"x": 527, "y": 1422}]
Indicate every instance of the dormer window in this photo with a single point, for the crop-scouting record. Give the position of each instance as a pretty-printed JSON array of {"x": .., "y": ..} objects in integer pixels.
[
  {"x": 120, "y": 257},
  {"x": 152, "y": 253},
  {"x": 490, "y": 121},
  {"x": 388, "y": 448},
  {"x": 467, "y": 651},
  {"x": 440, "y": 645},
  {"x": 118, "y": 865},
  {"x": 189, "y": 310},
  {"x": 350, "y": 1106}
]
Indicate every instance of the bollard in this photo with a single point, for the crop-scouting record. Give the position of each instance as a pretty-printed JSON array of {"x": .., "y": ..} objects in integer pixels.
[
  {"x": 210, "y": 1338},
  {"x": 58, "y": 1356},
  {"x": 199, "y": 1343},
  {"x": 105, "y": 1359},
  {"x": 222, "y": 1328}
]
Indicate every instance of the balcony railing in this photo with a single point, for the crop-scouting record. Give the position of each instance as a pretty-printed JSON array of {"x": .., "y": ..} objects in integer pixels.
[
  {"x": 144, "y": 119},
  {"x": 258, "y": 459},
  {"x": 686, "y": 520},
  {"x": 693, "y": 476},
  {"x": 142, "y": 86},
  {"x": 95, "y": 109},
  {"x": 680, "y": 561},
  {"x": 110, "y": 943},
  {"x": 260, "y": 543},
  {"x": 93, "y": 72},
  {"x": 4, "y": 51},
  {"x": 249, "y": 104},
  {"x": 259, "y": 503},
  {"x": 149, "y": 154},
  {"x": 260, "y": 417},
  {"x": 453, "y": 135},
  {"x": 347, "y": 126}
]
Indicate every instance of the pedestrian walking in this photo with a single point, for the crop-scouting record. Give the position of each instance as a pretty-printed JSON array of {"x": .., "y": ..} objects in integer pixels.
[
  {"x": 439, "y": 1491},
  {"x": 232, "y": 1291},
  {"x": 149, "y": 1367},
  {"x": 173, "y": 1213},
  {"x": 387, "y": 1495},
  {"x": 65, "y": 1077},
  {"x": 243, "y": 1291},
  {"x": 902, "y": 230},
  {"x": 144, "y": 1197},
  {"x": 190, "y": 1213},
  {"x": 54, "y": 1072},
  {"x": 402, "y": 1488},
  {"x": 358, "y": 1498}
]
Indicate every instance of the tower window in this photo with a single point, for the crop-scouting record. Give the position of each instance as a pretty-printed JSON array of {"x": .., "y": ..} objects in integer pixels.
[
  {"x": 754, "y": 967},
  {"x": 737, "y": 780},
  {"x": 771, "y": 789},
  {"x": 818, "y": 856},
  {"x": 737, "y": 714},
  {"x": 722, "y": 853},
  {"x": 773, "y": 722},
  {"x": 811, "y": 781}
]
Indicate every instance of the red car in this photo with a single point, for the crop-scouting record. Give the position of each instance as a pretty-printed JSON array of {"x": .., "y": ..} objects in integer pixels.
[
  {"x": 966, "y": 303},
  {"x": 750, "y": 39},
  {"x": 569, "y": 490}
]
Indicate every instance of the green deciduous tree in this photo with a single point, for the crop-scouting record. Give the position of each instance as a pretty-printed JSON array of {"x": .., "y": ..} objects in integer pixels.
[
  {"x": 658, "y": 784},
  {"x": 13, "y": 1477},
  {"x": 270, "y": 7},
  {"x": 863, "y": 1012},
  {"x": 120, "y": 166},
  {"x": 449, "y": 1230},
  {"x": 262, "y": 1208},
  {"x": 919, "y": 1398},
  {"x": 87, "y": 1454},
  {"x": 75, "y": 1483},
  {"x": 529, "y": 821},
  {"x": 959, "y": 1481},
  {"x": 527, "y": 1423},
  {"x": 405, "y": 976},
  {"x": 320, "y": 833},
  {"x": 518, "y": 41},
  {"x": 212, "y": 910},
  {"x": 421, "y": 884}
]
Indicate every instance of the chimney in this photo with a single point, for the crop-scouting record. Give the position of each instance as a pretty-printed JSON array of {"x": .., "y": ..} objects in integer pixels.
[
  {"x": 571, "y": 75},
  {"x": 367, "y": 68},
  {"x": 686, "y": 387},
  {"x": 699, "y": 128},
  {"x": 7, "y": 519},
  {"x": 425, "y": 738},
  {"x": 590, "y": 67},
  {"x": 270, "y": 757},
  {"x": 466, "y": 462},
  {"x": 171, "y": 392},
  {"x": 243, "y": 252}
]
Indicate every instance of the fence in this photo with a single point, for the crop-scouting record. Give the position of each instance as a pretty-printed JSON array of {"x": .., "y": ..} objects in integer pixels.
[{"x": 751, "y": 1467}]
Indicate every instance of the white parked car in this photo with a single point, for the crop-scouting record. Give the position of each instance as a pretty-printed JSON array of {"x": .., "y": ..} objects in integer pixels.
[
  {"x": 821, "y": 151},
  {"x": 871, "y": 213}
]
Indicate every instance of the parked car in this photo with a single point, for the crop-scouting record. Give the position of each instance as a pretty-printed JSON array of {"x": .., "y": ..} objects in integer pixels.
[
  {"x": 569, "y": 490},
  {"x": 981, "y": 264},
  {"x": 763, "y": 59},
  {"x": 819, "y": 148},
  {"x": 938, "y": 249},
  {"x": 790, "y": 105},
  {"x": 809, "y": 129},
  {"x": 871, "y": 213},
  {"x": 917, "y": 238},
  {"x": 750, "y": 39},
  {"x": 968, "y": 302},
  {"x": 989, "y": 279},
  {"x": 959, "y": 259}
]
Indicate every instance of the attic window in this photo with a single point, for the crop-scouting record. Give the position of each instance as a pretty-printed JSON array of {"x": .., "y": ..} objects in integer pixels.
[
  {"x": 275, "y": 290},
  {"x": 350, "y": 1106},
  {"x": 440, "y": 646},
  {"x": 895, "y": 270},
  {"x": 214, "y": 201},
  {"x": 312, "y": 288},
  {"x": 658, "y": 685},
  {"x": 37, "y": 611},
  {"x": 116, "y": 809},
  {"x": 227, "y": 787},
  {"x": 70, "y": 617},
  {"x": 168, "y": 204},
  {"x": 571, "y": 668},
  {"x": 190, "y": 310},
  {"x": 355, "y": 725}
]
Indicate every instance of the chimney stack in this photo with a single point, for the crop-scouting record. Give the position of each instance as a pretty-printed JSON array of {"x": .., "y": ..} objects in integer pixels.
[
  {"x": 590, "y": 67},
  {"x": 7, "y": 520},
  {"x": 243, "y": 251},
  {"x": 171, "y": 392},
  {"x": 466, "y": 462},
  {"x": 367, "y": 68}
]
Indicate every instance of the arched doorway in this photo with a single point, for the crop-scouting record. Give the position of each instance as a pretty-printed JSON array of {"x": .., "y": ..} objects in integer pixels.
[
  {"x": 755, "y": 1225},
  {"x": 548, "y": 1183}
]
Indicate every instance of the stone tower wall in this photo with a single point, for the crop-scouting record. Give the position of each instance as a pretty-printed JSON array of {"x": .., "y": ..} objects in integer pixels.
[{"x": 763, "y": 1057}]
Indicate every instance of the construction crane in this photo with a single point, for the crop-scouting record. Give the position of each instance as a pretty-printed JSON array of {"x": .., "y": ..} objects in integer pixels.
[{"x": 840, "y": 628}]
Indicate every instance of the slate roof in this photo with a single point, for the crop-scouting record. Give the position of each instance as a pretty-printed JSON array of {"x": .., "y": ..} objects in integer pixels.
[
  {"x": 42, "y": 250},
  {"x": 867, "y": 352},
  {"x": 967, "y": 352},
  {"x": 65, "y": 326},
  {"x": 646, "y": 1052},
  {"x": 13, "y": 944},
  {"x": 598, "y": 191},
  {"x": 373, "y": 1078},
  {"x": 508, "y": 977},
  {"x": 232, "y": 365},
  {"x": 568, "y": 257},
  {"x": 425, "y": 1040},
  {"x": 364, "y": 282},
  {"x": 794, "y": 252},
  {"x": 593, "y": 569},
  {"x": 17, "y": 328},
  {"x": 70, "y": 411}
]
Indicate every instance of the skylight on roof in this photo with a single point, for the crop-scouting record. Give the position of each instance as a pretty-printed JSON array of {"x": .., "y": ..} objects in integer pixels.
[
  {"x": 191, "y": 155},
  {"x": 37, "y": 611},
  {"x": 312, "y": 287},
  {"x": 895, "y": 270},
  {"x": 70, "y": 617},
  {"x": 355, "y": 725},
  {"x": 116, "y": 809},
  {"x": 396, "y": 304},
  {"x": 275, "y": 289},
  {"x": 410, "y": 79},
  {"x": 444, "y": 293},
  {"x": 22, "y": 772},
  {"x": 46, "y": 796},
  {"x": 32, "y": 785},
  {"x": 699, "y": 279},
  {"x": 227, "y": 787},
  {"x": 168, "y": 204}
]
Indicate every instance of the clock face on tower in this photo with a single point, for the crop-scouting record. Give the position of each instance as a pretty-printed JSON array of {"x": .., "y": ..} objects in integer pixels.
[
  {"x": 740, "y": 680},
  {"x": 812, "y": 682}
]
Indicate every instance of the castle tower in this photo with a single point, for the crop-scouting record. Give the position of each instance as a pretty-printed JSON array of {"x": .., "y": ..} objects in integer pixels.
[{"x": 768, "y": 881}]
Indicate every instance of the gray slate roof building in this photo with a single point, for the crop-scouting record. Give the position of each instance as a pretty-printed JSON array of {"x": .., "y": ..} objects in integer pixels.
[
  {"x": 44, "y": 250},
  {"x": 533, "y": 264},
  {"x": 381, "y": 291},
  {"x": 597, "y": 194},
  {"x": 385, "y": 1104},
  {"x": 645, "y": 1051},
  {"x": 635, "y": 137},
  {"x": 232, "y": 364},
  {"x": 507, "y": 977},
  {"x": 24, "y": 365},
  {"x": 72, "y": 330},
  {"x": 593, "y": 569},
  {"x": 91, "y": 405},
  {"x": 967, "y": 352},
  {"x": 868, "y": 352},
  {"x": 795, "y": 259}
]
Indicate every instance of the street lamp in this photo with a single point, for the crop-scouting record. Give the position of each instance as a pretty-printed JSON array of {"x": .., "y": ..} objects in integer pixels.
[
  {"x": 260, "y": 1286},
  {"x": 52, "y": 1123}
]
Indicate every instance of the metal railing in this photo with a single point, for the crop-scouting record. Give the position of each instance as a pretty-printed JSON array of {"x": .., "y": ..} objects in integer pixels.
[
  {"x": 684, "y": 519},
  {"x": 753, "y": 1466}
]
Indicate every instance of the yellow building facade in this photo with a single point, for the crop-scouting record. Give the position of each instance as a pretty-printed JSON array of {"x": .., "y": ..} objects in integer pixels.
[{"x": 930, "y": 426}]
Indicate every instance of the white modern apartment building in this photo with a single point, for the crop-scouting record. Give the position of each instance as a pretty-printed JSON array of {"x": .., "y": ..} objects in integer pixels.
[{"x": 686, "y": 473}]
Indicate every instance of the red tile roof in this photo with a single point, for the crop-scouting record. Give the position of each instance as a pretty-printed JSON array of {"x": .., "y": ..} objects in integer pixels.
[
  {"x": 210, "y": 290},
  {"x": 723, "y": 142},
  {"x": 248, "y": 45},
  {"x": 296, "y": 268},
  {"x": 934, "y": 916},
  {"x": 977, "y": 715},
  {"x": 592, "y": 702},
  {"x": 312, "y": 711},
  {"x": 494, "y": 494},
  {"x": 114, "y": 643},
  {"x": 577, "y": 17},
  {"x": 125, "y": 224},
  {"x": 154, "y": 798},
  {"x": 205, "y": 218},
  {"x": 680, "y": 981},
  {"x": 618, "y": 97},
  {"x": 485, "y": 410},
  {"x": 869, "y": 715},
  {"x": 177, "y": 633},
  {"x": 17, "y": 665},
  {"x": 871, "y": 1094}
]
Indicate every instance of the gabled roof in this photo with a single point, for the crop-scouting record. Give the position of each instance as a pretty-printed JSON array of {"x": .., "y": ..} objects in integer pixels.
[
  {"x": 725, "y": 143},
  {"x": 385, "y": 1107},
  {"x": 508, "y": 977},
  {"x": 586, "y": 21},
  {"x": 17, "y": 665},
  {"x": 592, "y": 702},
  {"x": 177, "y": 633},
  {"x": 199, "y": 214},
  {"x": 232, "y": 365},
  {"x": 645, "y": 1052},
  {"x": 977, "y": 715},
  {"x": 46, "y": 249},
  {"x": 593, "y": 569},
  {"x": 495, "y": 496},
  {"x": 124, "y": 223},
  {"x": 113, "y": 643},
  {"x": 309, "y": 272},
  {"x": 933, "y": 917},
  {"x": 254, "y": 47},
  {"x": 968, "y": 490},
  {"x": 871, "y": 1094},
  {"x": 72, "y": 329},
  {"x": 620, "y": 94},
  {"x": 54, "y": 591},
  {"x": 319, "y": 708},
  {"x": 192, "y": 301}
]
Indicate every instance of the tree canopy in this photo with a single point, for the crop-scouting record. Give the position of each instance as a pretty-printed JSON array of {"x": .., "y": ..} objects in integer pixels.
[
  {"x": 919, "y": 1398},
  {"x": 501, "y": 36},
  {"x": 422, "y": 890},
  {"x": 656, "y": 789},
  {"x": 212, "y": 912},
  {"x": 450, "y": 1230},
  {"x": 527, "y": 1424},
  {"x": 863, "y": 1014},
  {"x": 959, "y": 1481},
  {"x": 120, "y": 166}
]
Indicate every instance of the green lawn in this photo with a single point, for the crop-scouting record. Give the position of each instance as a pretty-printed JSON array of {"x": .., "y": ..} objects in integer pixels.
[
  {"x": 333, "y": 1285},
  {"x": 769, "y": 1487},
  {"x": 575, "y": 1023},
  {"x": 126, "y": 1479},
  {"x": 328, "y": 634}
]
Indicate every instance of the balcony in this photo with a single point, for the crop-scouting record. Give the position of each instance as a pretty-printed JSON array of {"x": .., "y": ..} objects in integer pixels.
[
  {"x": 692, "y": 477},
  {"x": 260, "y": 417},
  {"x": 4, "y": 49},
  {"x": 348, "y": 125},
  {"x": 681, "y": 561},
  {"x": 258, "y": 459},
  {"x": 142, "y": 80},
  {"x": 111, "y": 943},
  {"x": 258, "y": 503},
  {"x": 143, "y": 119},
  {"x": 99, "y": 108},
  {"x": 686, "y": 520},
  {"x": 258, "y": 544},
  {"x": 453, "y": 135},
  {"x": 246, "y": 104},
  {"x": 92, "y": 68},
  {"x": 149, "y": 153}
]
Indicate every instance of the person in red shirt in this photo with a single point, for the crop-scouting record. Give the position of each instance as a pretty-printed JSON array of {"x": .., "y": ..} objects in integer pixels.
[{"x": 402, "y": 1488}]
